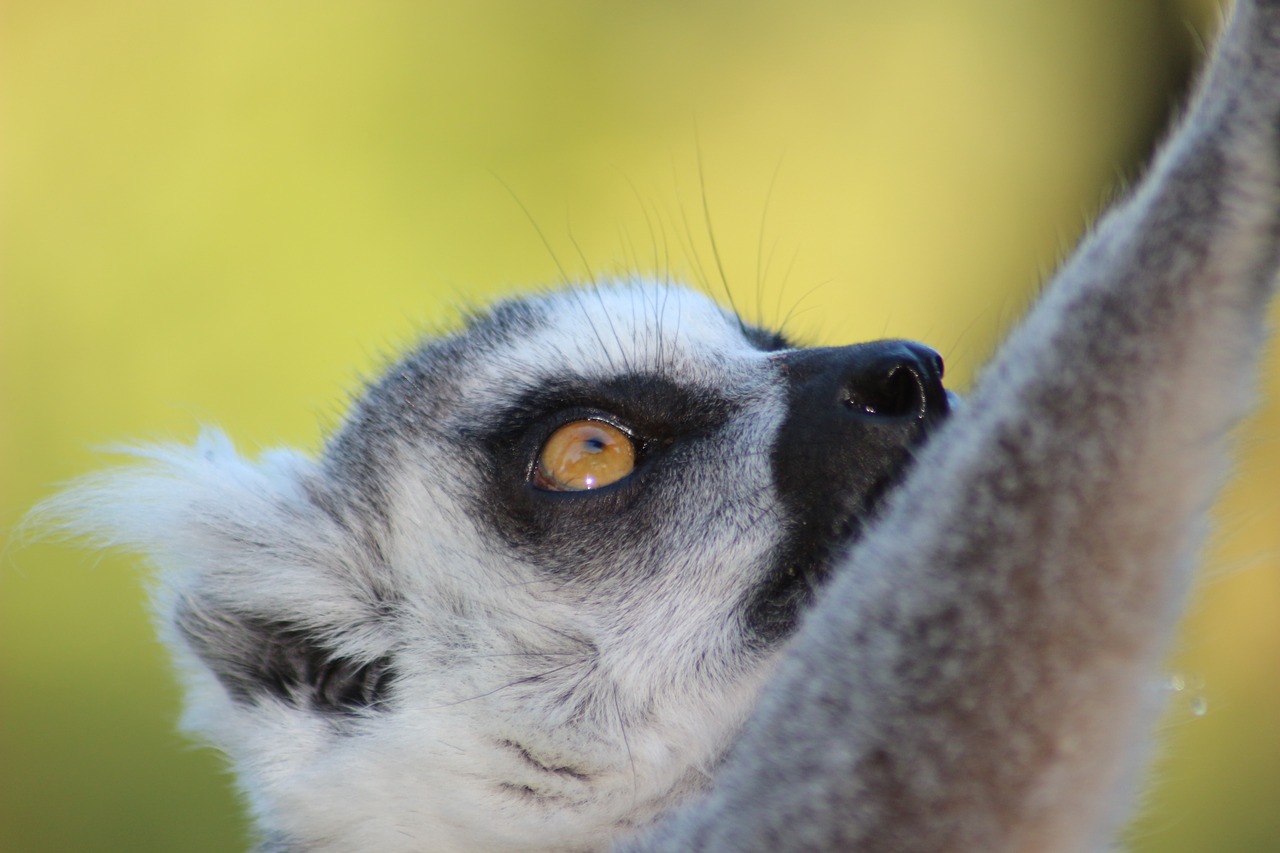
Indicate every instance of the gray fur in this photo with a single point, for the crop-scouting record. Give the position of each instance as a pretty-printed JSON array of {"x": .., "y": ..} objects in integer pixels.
[
  {"x": 978, "y": 677},
  {"x": 410, "y": 645}
]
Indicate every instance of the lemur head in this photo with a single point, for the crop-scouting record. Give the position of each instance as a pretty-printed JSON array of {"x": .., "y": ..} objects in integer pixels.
[{"x": 531, "y": 588}]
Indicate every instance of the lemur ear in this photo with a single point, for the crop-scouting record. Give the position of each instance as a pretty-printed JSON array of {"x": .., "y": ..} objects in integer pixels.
[
  {"x": 255, "y": 658},
  {"x": 260, "y": 577}
]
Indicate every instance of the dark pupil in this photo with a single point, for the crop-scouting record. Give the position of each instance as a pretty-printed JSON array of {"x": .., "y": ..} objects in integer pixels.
[{"x": 595, "y": 444}]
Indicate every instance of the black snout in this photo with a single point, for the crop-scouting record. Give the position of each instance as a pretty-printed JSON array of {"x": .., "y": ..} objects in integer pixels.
[
  {"x": 893, "y": 379},
  {"x": 857, "y": 408},
  {"x": 854, "y": 415}
]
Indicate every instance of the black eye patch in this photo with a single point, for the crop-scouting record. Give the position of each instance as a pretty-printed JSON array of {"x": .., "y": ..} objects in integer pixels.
[{"x": 553, "y": 528}]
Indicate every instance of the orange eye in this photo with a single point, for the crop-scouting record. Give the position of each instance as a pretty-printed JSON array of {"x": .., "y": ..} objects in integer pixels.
[{"x": 584, "y": 455}]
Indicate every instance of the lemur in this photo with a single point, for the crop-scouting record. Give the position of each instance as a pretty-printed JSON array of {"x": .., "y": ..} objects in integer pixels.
[{"x": 610, "y": 567}]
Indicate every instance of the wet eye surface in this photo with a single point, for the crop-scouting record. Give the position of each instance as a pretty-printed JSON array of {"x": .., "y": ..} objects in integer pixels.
[{"x": 584, "y": 455}]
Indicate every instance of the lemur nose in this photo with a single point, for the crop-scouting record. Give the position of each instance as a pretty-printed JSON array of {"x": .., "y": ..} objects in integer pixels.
[
  {"x": 855, "y": 416},
  {"x": 899, "y": 379}
]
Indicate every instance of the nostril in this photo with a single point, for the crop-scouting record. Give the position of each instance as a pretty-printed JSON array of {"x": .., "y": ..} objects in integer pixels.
[{"x": 898, "y": 393}]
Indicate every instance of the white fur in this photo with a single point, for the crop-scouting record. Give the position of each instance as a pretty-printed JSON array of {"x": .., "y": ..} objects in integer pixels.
[
  {"x": 246, "y": 535},
  {"x": 975, "y": 677}
]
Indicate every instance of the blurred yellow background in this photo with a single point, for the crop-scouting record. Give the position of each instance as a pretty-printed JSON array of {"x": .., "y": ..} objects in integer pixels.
[{"x": 230, "y": 212}]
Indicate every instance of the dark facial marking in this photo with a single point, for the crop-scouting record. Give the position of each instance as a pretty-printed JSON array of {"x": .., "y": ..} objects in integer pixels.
[
  {"x": 564, "y": 530},
  {"x": 532, "y": 761},
  {"x": 855, "y": 414},
  {"x": 255, "y": 657}
]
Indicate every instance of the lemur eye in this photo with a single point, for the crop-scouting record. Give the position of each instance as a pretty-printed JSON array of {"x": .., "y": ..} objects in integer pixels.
[{"x": 584, "y": 455}]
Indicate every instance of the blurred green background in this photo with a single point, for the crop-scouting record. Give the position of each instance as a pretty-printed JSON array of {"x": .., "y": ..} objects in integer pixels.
[{"x": 229, "y": 212}]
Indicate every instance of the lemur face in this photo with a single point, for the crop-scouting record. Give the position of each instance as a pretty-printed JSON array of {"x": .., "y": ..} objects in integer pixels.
[
  {"x": 733, "y": 466},
  {"x": 530, "y": 591}
]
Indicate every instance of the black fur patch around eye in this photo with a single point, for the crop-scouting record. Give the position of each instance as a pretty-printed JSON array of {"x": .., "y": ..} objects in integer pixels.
[
  {"x": 255, "y": 657},
  {"x": 561, "y": 531}
]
